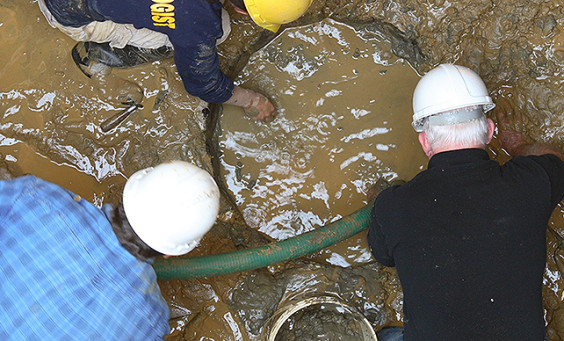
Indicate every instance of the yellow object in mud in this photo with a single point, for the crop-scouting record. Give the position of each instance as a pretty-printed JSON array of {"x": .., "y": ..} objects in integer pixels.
[{"x": 271, "y": 14}]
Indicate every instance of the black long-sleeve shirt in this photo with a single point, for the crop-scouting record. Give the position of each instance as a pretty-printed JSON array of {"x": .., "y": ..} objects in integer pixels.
[{"x": 468, "y": 239}]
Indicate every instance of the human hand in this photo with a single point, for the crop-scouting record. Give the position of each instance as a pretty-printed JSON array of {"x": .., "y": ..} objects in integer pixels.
[
  {"x": 375, "y": 189},
  {"x": 260, "y": 108},
  {"x": 5, "y": 173},
  {"x": 507, "y": 120},
  {"x": 513, "y": 141},
  {"x": 381, "y": 185},
  {"x": 255, "y": 104}
]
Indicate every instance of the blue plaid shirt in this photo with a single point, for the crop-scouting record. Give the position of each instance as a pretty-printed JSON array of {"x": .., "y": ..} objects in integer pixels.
[{"x": 64, "y": 275}]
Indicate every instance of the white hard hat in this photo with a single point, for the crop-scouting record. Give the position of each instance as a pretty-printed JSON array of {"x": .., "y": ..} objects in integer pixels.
[
  {"x": 171, "y": 206},
  {"x": 450, "y": 88}
]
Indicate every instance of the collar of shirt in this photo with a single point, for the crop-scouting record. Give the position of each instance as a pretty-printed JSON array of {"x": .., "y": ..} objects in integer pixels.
[{"x": 457, "y": 157}]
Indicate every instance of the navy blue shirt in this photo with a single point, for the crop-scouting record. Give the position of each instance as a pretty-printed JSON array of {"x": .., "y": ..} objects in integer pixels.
[
  {"x": 468, "y": 239},
  {"x": 192, "y": 26}
]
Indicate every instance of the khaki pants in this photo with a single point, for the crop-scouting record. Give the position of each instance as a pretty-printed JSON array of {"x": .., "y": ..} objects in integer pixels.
[{"x": 120, "y": 35}]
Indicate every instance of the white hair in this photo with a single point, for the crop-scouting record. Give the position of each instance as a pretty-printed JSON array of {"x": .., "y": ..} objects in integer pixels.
[{"x": 471, "y": 133}]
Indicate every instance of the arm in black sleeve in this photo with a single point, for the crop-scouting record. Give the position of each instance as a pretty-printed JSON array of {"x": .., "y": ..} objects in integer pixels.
[
  {"x": 377, "y": 240},
  {"x": 554, "y": 168}
]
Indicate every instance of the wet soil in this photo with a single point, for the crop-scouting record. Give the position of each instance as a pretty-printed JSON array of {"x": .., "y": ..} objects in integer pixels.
[
  {"x": 341, "y": 126},
  {"x": 51, "y": 117}
]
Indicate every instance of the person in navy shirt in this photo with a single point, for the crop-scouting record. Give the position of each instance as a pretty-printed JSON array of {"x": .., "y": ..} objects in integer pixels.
[{"x": 129, "y": 32}]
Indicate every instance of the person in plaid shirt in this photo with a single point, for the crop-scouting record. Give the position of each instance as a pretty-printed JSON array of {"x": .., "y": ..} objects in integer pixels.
[{"x": 72, "y": 271}]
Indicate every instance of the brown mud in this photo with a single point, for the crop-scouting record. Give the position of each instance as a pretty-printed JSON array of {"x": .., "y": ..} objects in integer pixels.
[
  {"x": 341, "y": 126},
  {"x": 51, "y": 118}
]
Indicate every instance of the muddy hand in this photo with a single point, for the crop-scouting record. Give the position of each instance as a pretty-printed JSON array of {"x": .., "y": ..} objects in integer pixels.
[
  {"x": 381, "y": 185},
  {"x": 261, "y": 109},
  {"x": 254, "y": 104},
  {"x": 375, "y": 189},
  {"x": 507, "y": 118}
]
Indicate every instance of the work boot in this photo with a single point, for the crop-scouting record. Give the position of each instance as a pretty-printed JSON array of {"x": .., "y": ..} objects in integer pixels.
[
  {"x": 93, "y": 58},
  {"x": 89, "y": 66}
]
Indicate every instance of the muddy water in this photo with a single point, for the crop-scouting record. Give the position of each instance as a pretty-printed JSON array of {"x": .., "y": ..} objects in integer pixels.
[
  {"x": 51, "y": 112},
  {"x": 51, "y": 116},
  {"x": 343, "y": 123}
]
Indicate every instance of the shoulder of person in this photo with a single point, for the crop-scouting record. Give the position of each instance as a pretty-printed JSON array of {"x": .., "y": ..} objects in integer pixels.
[{"x": 545, "y": 161}]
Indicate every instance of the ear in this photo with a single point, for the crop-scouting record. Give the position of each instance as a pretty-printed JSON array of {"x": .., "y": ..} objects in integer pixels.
[
  {"x": 491, "y": 129},
  {"x": 424, "y": 141}
]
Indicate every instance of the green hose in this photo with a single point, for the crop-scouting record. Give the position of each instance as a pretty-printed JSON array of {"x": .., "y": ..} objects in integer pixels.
[{"x": 261, "y": 256}]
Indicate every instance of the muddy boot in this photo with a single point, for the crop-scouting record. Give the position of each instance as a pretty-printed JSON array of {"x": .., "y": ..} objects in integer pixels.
[{"x": 93, "y": 58}]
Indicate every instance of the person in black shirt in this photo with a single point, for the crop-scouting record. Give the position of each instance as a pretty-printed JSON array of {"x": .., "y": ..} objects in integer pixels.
[{"x": 468, "y": 235}]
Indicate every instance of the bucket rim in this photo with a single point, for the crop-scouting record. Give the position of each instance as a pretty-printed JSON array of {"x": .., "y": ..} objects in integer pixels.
[{"x": 282, "y": 314}]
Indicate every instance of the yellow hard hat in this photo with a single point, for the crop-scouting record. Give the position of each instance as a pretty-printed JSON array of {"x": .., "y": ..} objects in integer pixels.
[{"x": 270, "y": 14}]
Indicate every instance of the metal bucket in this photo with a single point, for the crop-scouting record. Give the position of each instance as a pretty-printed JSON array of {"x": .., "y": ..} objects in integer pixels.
[{"x": 281, "y": 316}]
